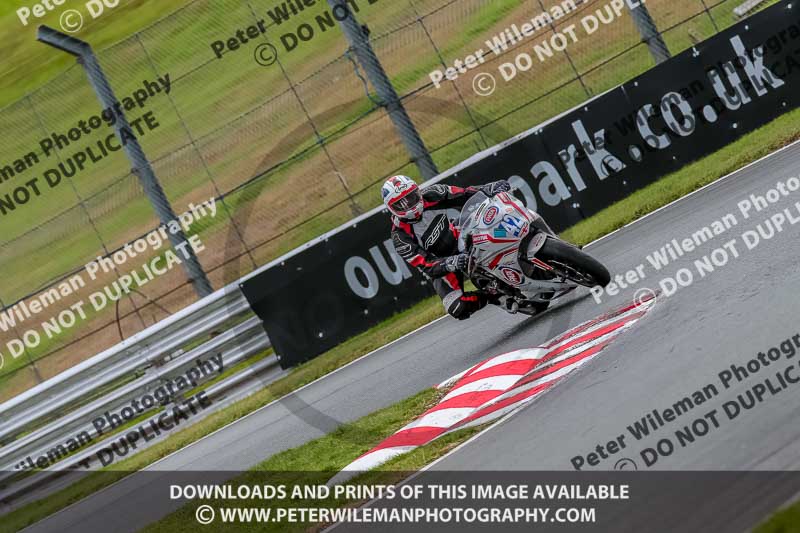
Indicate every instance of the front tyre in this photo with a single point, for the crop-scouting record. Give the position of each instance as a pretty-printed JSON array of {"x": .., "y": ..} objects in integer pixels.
[{"x": 574, "y": 264}]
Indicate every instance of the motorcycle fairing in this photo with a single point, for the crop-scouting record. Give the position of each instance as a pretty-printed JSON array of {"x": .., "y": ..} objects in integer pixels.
[{"x": 497, "y": 227}]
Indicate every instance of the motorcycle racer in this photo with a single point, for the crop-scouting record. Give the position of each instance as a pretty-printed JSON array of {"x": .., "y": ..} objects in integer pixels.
[{"x": 426, "y": 238}]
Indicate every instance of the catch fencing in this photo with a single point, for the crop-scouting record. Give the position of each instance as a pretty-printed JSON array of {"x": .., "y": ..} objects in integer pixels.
[{"x": 286, "y": 148}]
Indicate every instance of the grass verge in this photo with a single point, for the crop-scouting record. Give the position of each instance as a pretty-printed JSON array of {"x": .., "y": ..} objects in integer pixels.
[
  {"x": 316, "y": 461},
  {"x": 778, "y": 133},
  {"x": 409, "y": 320},
  {"x": 784, "y": 521}
]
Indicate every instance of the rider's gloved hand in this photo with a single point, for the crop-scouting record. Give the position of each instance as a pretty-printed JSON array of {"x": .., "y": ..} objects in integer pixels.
[
  {"x": 490, "y": 189},
  {"x": 456, "y": 263}
]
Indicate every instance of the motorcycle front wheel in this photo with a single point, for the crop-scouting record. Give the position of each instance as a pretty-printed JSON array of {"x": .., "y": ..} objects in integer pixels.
[{"x": 574, "y": 264}]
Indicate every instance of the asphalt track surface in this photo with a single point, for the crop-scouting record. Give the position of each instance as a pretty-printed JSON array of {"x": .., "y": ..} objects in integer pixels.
[{"x": 746, "y": 307}]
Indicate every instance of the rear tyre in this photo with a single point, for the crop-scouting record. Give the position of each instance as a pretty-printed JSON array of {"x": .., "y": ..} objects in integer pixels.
[{"x": 574, "y": 264}]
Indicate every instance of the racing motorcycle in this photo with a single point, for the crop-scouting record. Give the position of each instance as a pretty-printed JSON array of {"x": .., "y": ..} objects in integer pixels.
[{"x": 515, "y": 257}]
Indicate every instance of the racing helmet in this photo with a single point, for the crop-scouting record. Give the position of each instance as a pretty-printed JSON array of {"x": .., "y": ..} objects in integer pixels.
[{"x": 403, "y": 198}]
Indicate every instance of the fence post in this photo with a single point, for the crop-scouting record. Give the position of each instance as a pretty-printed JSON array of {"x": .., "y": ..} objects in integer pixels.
[
  {"x": 359, "y": 42},
  {"x": 649, "y": 31},
  {"x": 141, "y": 166}
]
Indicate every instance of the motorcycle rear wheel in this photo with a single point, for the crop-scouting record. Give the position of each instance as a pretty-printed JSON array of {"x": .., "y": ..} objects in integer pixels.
[{"x": 574, "y": 264}]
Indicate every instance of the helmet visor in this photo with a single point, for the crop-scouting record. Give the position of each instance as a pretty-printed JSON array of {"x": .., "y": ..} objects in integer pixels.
[{"x": 407, "y": 202}]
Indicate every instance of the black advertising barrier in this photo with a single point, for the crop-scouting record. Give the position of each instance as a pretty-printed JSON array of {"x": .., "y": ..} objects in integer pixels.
[
  {"x": 337, "y": 288},
  {"x": 571, "y": 168}
]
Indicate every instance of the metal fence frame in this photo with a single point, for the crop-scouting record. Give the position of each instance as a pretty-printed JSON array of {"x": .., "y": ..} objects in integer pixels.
[{"x": 478, "y": 128}]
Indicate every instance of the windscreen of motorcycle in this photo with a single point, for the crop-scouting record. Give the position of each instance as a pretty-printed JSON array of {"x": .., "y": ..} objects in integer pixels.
[{"x": 467, "y": 222}]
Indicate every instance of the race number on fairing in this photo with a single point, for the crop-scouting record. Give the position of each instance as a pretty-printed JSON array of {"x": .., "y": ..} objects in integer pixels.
[{"x": 512, "y": 225}]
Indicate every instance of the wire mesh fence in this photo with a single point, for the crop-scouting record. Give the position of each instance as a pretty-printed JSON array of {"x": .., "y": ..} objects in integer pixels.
[{"x": 287, "y": 148}]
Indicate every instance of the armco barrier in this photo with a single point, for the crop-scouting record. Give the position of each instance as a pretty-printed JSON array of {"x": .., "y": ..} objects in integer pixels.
[
  {"x": 89, "y": 455},
  {"x": 38, "y": 422},
  {"x": 228, "y": 345},
  {"x": 568, "y": 169},
  {"x": 147, "y": 347}
]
